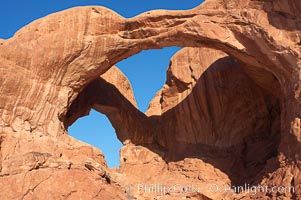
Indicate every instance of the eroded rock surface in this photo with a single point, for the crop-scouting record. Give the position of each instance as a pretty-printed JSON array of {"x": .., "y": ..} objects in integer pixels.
[{"x": 228, "y": 114}]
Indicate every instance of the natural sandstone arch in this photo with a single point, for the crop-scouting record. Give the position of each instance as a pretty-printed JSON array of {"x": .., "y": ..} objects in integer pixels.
[
  {"x": 59, "y": 55},
  {"x": 91, "y": 49},
  {"x": 211, "y": 107}
]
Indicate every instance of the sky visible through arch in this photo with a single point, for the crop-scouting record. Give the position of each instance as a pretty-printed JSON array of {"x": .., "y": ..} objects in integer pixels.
[{"x": 146, "y": 70}]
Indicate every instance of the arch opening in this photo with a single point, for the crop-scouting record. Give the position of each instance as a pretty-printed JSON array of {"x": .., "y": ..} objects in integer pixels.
[
  {"x": 113, "y": 95},
  {"x": 225, "y": 113},
  {"x": 96, "y": 129}
]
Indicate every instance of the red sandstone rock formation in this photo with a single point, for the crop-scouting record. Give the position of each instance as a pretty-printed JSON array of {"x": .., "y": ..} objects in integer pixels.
[{"x": 228, "y": 114}]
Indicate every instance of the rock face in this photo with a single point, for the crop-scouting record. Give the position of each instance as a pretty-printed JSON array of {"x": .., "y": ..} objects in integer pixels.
[
  {"x": 205, "y": 98},
  {"x": 228, "y": 114}
]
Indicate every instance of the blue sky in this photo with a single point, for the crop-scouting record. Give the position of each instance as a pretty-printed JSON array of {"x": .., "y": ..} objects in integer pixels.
[{"x": 146, "y": 71}]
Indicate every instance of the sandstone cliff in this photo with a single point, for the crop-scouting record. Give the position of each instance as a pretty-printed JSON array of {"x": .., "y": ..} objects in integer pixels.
[{"x": 229, "y": 112}]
